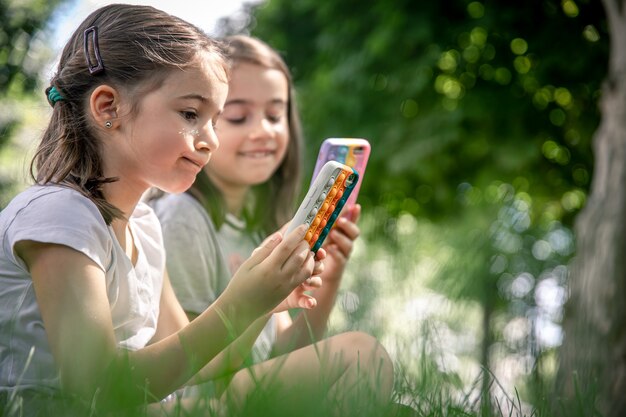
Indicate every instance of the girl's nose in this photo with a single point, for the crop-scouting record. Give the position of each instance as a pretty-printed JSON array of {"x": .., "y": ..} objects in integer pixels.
[
  {"x": 207, "y": 139},
  {"x": 262, "y": 129}
]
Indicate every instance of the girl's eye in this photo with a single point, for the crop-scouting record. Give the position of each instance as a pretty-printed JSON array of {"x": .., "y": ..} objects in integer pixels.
[
  {"x": 274, "y": 118},
  {"x": 236, "y": 120},
  {"x": 189, "y": 115}
]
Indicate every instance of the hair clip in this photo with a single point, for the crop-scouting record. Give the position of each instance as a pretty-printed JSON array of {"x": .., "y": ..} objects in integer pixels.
[{"x": 98, "y": 67}]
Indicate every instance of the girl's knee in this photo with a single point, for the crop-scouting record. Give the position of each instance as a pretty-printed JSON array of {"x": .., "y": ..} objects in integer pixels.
[
  {"x": 365, "y": 344},
  {"x": 367, "y": 351},
  {"x": 370, "y": 360}
]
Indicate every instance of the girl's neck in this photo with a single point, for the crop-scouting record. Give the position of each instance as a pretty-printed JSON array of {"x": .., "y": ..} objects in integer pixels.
[
  {"x": 235, "y": 199},
  {"x": 234, "y": 195},
  {"x": 122, "y": 195},
  {"x": 125, "y": 197}
]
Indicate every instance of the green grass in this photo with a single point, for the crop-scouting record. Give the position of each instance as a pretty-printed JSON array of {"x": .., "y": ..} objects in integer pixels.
[{"x": 424, "y": 398}]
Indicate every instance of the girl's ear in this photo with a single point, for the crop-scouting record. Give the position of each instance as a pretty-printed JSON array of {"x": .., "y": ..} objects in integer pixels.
[{"x": 103, "y": 103}]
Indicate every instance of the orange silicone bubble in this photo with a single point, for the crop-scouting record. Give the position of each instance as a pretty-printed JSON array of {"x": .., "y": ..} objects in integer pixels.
[{"x": 327, "y": 208}]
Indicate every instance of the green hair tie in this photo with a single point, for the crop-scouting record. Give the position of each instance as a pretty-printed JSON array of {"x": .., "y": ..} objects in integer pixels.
[{"x": 54, "y": 96}]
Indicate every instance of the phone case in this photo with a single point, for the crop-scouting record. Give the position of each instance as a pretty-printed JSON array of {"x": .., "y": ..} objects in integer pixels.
[
  {"x": 353, "y": 152},
  {"x": 324, "y": 200}
]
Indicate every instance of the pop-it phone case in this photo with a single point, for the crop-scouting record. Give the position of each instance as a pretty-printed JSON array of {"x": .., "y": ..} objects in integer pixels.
[
  {"x": 324, "y": 201},
  {"x": 353, "y": 152}
]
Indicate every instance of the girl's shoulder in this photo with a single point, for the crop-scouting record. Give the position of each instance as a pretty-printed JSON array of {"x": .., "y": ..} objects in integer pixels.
[
  {"x": 49, "y": 203},
  {"x": 178, "y": 208},
  {"x": 58, "y": 215}
]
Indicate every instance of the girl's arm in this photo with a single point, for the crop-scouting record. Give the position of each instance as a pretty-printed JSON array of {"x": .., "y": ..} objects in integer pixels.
[
  {"x": 71, "y": 294},
  {"x": 310, "y": 326},
  {"x": 233, "y": 357},
  {"x": 173, "y": 318}
]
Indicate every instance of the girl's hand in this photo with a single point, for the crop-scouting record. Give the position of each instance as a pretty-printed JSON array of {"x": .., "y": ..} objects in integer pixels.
[
  {"x": 273, "y": 271},
  {"x": 318, "y": 267},
  {"x": 341, "y": 238},
  {"x": 298, "y": 297}
]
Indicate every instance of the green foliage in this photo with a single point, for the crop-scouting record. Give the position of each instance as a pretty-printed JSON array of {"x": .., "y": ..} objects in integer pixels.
[
  {"x": 449, "y": 92},
  {"x": 20, "y": 65},
  {"x": 22, "y": 22}
]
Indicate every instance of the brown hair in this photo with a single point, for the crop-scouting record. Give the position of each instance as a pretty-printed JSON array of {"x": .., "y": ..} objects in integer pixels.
[
  {"x": 273, "y": 202},
  {"x": 137, "y": 46}
]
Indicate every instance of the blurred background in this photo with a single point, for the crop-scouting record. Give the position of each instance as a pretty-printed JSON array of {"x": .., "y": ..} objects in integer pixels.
[{"x": 480, "y": 115}]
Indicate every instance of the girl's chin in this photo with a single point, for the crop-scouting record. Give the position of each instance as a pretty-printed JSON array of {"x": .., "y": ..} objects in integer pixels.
[
  {"x": 256, "y": 177},
  {"x": 258, "y": 181},
  {"x": 177, "y": 188}
]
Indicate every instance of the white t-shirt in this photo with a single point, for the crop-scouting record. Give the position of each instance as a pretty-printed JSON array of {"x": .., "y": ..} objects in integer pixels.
[
  {"x": 60, "y": 215},
  {"x": 201, "y": 260}
]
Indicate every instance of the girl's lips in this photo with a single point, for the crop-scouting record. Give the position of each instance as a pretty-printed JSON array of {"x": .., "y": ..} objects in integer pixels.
[
  {"x": 261, "y": 153},
  {"x": 199, "y": 163}
]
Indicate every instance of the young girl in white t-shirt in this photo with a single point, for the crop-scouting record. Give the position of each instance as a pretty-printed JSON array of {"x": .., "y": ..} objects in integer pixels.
[{"x": 87, "y": 312}]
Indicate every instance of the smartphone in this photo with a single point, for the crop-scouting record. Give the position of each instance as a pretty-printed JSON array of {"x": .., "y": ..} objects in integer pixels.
[
  {"x": 322, "y": 204},
  {"x": 353, "y": 152}
]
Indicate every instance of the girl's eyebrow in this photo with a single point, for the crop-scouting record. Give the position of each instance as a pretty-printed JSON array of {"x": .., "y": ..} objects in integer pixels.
[
  {"x": 244, "y": 101},
  {"x": 236, "y": 101},
  {"x": 194, "y": 96}
]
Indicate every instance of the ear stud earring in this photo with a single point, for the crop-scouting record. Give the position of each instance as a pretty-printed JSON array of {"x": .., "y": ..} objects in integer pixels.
[{"x": 108, "y": 124}]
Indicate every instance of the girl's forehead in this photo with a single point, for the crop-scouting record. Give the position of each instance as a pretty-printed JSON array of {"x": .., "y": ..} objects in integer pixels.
[
  {"x": 246, "y": 67},
  {"x": 205, "y": 83},
  {"x": 252, "y": 79},
  {"x": 213, "y": 63},
  {"x": 207, "y": 66}
]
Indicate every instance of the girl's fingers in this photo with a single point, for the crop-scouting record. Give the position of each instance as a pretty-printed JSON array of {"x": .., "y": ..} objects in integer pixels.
[
  {"x": 340, "y": 242},
  {"x": 312, "y": 283},
  {"x": 287, "y": 247},
  {"x": 300, "y": 262},
  {"x": 264, "y": 250},
  {"x": 307, "y": 301},
  {"x": 318, "y": 267},
  {"x": 356, "y": 213},
  {"x": 352, "y": 213},
  {"x": 347, "y": 227}
]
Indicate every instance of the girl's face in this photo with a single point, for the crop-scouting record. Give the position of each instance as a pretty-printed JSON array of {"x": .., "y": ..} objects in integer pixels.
[
  {"x": 171, "y": 137},
  {"x": 253, "y": 129}
]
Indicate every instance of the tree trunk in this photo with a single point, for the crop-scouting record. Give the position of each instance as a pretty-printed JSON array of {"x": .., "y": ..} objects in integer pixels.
[{"x": 593, "y": 355}]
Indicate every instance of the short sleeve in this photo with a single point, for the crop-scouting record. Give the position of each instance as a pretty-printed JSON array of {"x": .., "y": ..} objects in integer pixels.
[
  {"x": 148, "y": 229},
  {"x": 59, "y": 215}
]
